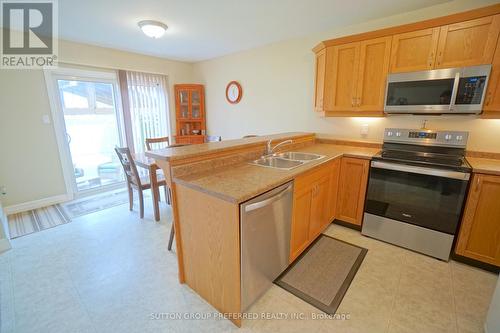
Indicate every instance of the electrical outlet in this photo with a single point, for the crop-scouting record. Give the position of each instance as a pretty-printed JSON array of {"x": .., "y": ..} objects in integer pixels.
[
  {"x": 3, "y": 190},
  {"x": 364, "y": 129}
]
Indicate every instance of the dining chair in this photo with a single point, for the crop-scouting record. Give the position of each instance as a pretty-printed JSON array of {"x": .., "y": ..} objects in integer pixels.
[
  {"x": 134, "y": 180},
  {"x": 213, "y": 138},
  {"x": 151, "y": 141}
]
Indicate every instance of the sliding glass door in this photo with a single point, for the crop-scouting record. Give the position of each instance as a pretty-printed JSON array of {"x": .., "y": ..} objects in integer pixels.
[
  {"x": 90, "y": 125},
  {"x": 92, "y": 131}
]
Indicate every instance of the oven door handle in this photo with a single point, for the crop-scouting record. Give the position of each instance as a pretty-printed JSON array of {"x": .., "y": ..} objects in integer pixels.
[{"x": 421, "y": 170}]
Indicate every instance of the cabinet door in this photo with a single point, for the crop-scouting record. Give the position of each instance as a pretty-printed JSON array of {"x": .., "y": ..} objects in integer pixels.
[
  {"x": 492, "y": 101},
  {"x": 320, "y": 212},
  {"x": 373, "y": 69},
  {"x": 300, "y": 222},
  {"x": 320, "y": 80},
  {"x": 342, "y": 77},
  {"x": 334, "y": 188},
  {"x": 352, "y": 190},
  {"x": 414, "y": 51},
  {"x": 479, "y": 236},
  {"x": 468, "y": 43},
  {"x": 183, "y": 104}
]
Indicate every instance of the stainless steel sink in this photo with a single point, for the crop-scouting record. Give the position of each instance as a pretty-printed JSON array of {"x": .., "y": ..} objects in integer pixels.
[
  {"x": 287, "y": 161},
  {"x": 277, "y": 162},
  {"x": 292, "y": 155}
]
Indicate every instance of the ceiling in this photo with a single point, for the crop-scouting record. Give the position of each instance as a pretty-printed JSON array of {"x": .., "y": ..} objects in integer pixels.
[{"x": 204, "y": 29}]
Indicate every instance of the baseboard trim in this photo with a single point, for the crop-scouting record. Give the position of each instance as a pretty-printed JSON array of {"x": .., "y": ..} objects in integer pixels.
[
  {"x": 22, "y": 207},
  {"x": 4, "y": 245}
]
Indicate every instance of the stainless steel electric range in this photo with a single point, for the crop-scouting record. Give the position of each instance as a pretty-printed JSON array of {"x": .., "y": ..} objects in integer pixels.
[{"x": 416, "y": 190}]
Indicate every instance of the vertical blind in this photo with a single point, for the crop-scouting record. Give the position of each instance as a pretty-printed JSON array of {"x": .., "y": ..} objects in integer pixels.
[{"x": 148, "y": 107}]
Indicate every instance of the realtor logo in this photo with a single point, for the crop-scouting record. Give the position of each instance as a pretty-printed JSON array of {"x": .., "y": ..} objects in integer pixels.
[{"x": 29, "y": 34}]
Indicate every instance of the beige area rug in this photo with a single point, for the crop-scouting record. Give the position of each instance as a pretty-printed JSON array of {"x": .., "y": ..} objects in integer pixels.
[
  {"x": 26, "y": 223},
  {"x": 322, "y": 274}
]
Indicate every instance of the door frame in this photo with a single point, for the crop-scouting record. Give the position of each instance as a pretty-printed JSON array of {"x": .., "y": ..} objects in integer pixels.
[{"x": 51, "y": 77}]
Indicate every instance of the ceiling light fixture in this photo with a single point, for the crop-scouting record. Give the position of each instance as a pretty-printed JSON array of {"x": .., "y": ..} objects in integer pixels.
[{"x": 153, "y": 29}]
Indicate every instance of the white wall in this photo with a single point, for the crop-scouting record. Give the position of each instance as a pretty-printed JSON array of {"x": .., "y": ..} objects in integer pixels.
[
  {"x": 493, "y": 320},
  {"x": 4, "y": 239},
  {"x": 29, "y": 160},
  {"x": 278, "y": 83}
]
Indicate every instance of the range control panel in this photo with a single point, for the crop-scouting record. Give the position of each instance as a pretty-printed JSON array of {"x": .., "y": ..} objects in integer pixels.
[{"x": 427, "y": 137}]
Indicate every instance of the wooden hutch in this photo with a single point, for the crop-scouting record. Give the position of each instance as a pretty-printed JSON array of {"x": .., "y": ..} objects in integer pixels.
[{"x": 190, "y": 113}]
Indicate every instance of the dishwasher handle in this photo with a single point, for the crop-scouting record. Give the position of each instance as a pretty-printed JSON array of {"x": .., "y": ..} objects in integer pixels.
[{"x": 268, "y": 201}]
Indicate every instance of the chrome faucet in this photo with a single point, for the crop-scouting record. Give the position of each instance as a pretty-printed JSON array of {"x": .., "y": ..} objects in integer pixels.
[{"x": 270, "y": 149}]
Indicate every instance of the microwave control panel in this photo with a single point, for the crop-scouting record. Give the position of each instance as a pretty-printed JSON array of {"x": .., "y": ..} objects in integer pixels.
[{"x": 470, "y": 90}]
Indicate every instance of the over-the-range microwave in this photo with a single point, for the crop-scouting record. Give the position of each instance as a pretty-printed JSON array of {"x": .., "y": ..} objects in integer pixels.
[{"x": 440, "y": 91}]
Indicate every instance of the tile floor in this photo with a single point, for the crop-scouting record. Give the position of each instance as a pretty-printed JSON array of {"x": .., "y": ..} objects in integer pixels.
[{"x": 111, "y": 272}]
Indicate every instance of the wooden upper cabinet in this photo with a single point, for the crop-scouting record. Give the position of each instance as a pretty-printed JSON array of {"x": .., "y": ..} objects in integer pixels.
[
  {"x": 341, "y": 77},
  {"x": 352, "y": 190},
  {"x": 479, "y": 236},
  {"x": 468, "y": 43},
  {"x": 320, "y": 80},
  {"x": 414, "y": 51},
  {"x": 355, "y": 76},
  {"x": 492, "y": 101},
  {"x": 372, "y": 74},
  {"x": 351, "y": 71}
]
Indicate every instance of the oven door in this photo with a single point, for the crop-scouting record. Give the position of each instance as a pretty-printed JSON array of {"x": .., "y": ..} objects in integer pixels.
[{"x": 425, "y": 197}]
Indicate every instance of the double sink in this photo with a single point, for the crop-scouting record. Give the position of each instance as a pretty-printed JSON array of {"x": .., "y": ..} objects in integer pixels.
[{"x": 286, "y": 161}]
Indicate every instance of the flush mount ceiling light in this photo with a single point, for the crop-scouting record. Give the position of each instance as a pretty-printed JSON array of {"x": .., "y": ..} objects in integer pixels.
[{"x": 153, "y": 29}]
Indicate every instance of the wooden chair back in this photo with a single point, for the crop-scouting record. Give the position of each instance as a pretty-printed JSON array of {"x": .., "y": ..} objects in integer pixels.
[
  {"x": 213, "y": 138},
  {"x": 151, "y": 141},
  {"x": 129, "y": 166}
]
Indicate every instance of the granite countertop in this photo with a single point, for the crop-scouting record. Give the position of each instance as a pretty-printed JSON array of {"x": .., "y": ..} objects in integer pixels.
[
  {"x": 178, "y": 153},
  {"x": 243, "y": 181},
  {"x": 485, "y": 165}
]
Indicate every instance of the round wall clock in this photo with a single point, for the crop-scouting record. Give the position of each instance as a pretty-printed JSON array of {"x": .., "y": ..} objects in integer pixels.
[{"x": 233, "y": 92}]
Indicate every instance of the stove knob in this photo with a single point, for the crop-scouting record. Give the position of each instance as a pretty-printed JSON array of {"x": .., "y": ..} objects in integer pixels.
[
  {"x": 447, "y": 137},
  {"x": 389, "y": 133},
  {"x": 398, "y": 134},
  {"x": 460, "y": 137}
]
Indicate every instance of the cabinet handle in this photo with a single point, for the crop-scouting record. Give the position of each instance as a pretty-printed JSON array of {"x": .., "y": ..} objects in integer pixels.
[{"x": 478, "y": 184}]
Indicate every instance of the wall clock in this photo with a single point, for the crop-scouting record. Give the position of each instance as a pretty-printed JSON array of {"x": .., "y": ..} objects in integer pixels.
[{"x": 233, "y": 92}]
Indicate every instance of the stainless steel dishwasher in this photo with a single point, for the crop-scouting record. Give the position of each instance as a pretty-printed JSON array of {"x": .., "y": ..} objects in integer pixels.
[{"x": 265, "y": 241}]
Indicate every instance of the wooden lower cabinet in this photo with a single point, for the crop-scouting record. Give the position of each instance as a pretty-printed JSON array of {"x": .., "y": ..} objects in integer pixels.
[
  {"x": 352, "y": 189},
  {"x": 479, "y": 236},
  {"x": 312, "y": 205}
]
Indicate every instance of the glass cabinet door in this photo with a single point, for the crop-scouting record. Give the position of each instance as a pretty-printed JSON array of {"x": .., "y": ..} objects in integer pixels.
[
  {"x": 195, "y": 104},
  {"x": 184, "y": 104}
]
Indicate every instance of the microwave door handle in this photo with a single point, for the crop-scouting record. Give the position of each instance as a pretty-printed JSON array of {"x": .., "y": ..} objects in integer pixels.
[{"x": 455, "y": 90}]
